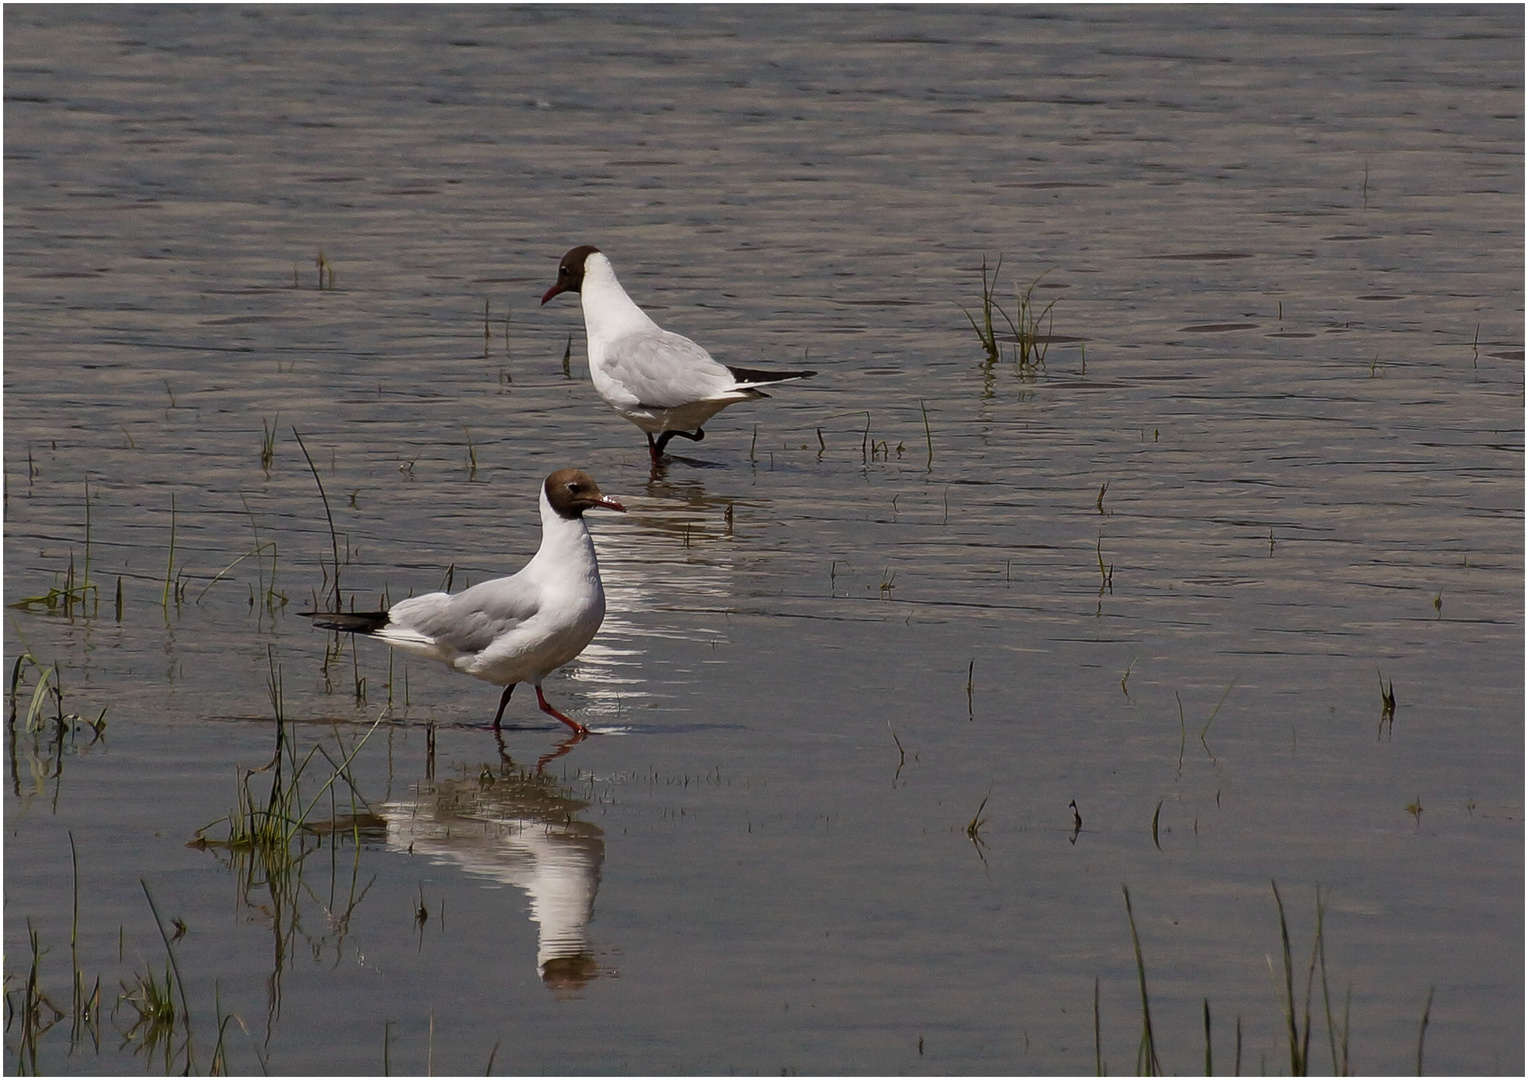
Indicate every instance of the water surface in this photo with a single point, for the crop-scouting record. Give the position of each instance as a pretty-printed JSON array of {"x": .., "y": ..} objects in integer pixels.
[{"x": 867, "y": 647}]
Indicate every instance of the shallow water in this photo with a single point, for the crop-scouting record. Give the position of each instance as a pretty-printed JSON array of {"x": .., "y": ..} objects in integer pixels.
[{"x": 1285, "y": 251}]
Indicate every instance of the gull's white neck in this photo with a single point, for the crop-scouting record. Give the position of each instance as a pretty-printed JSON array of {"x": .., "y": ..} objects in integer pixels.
[
  {"x": 566, "y": 551},
  {"x": 609, "y": 314}
]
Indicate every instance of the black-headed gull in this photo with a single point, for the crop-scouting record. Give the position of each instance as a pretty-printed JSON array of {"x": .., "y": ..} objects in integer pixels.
[
  {"x": 664, "y": 383},
  {"x": 511, "y": 629}
]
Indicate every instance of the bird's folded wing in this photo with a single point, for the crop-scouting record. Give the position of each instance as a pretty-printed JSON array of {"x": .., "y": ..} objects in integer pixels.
[
  {"x": 471, "y": 620},
  {"x": 665, "y": 370}
]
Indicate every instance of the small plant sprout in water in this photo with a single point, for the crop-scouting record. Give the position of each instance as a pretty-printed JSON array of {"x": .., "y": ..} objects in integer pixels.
[
  {"x": 901, "y": 754},
  {"x": 169, "y": 570},
  {"x": 268, "y": 444},
  {"x": 1105, "y": 573},
  {"x": 1204, "y": 731},
  {"x": 1125, "y": 678},
  {"x": 928, "y": 436},
  {"x": 974, "y": 828},
  {"x": 1387, "y": 704},
  {"x": 325, "y": 271},
  {"x": 472, "y": 462}
]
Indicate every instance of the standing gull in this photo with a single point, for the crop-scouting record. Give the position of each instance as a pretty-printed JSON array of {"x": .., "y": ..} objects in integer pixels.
[
  {"x": 511, "y": 629},
  {"x": 664, "y": 383}
]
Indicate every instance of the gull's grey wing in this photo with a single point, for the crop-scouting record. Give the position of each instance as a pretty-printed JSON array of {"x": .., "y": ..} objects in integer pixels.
[
  {"x": 472, "y": 619},
  {"x": 665, "y": 370}
]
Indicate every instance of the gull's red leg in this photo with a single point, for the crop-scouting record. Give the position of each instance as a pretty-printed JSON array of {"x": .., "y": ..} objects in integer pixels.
[{"x": 548, "y": 708}]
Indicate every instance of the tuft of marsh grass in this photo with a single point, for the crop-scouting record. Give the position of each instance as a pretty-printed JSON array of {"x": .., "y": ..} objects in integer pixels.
[
  {"x": 1029, "y": 345},
  {"x": 76, "y": 590},
  {"x": 986, "y": 332},
  {"x": 35, "y": 1010},
  {"x": 275, "y": 826},
  {"x": 152, "y": 1008},
  {"x": 154, "y": 998},
  {"x": 45, "y": 673},
  {"x": 61, "y": 726},
  {"x": 1296, "y": 1003}
]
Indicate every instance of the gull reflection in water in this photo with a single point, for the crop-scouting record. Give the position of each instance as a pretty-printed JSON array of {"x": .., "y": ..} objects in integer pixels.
[{"x": 515, "y": 828}]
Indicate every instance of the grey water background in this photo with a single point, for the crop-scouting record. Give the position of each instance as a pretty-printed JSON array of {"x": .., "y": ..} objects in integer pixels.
[{"x": 1285, "y": 251}]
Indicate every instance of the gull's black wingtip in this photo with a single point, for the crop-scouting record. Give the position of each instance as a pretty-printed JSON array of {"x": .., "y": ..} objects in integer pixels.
[
  {"x": 754, "y": 375},
  {"x": 350, "y": 622}
]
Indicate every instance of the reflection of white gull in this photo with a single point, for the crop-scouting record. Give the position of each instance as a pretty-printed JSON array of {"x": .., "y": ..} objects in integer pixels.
[{"x": 518, "y": 831}]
